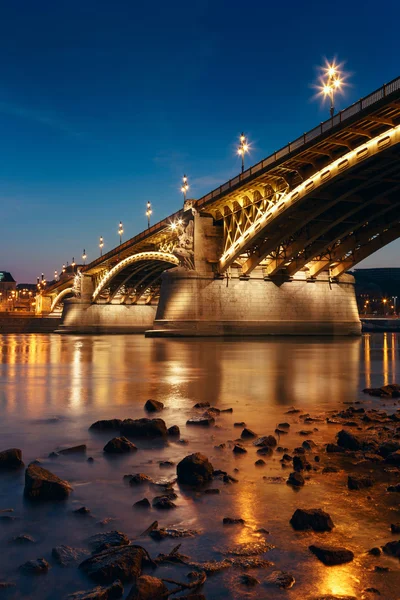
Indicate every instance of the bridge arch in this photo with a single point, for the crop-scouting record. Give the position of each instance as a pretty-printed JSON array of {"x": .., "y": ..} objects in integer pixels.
[
  {"x": 140, "y": 271},
  {"x": 66, "y": 292},
  {"x": 290, "y": 216}
]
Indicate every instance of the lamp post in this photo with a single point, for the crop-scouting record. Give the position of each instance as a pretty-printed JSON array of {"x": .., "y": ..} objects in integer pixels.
[
  {"x": 384, "y": 301},
  {"x": 148, "y": 213},
  {"x": 84, "y": 257},
  {"x": 185, "y": 187},
  {"x": 394, "y": 298},
  {"x": 243, "y": 148},
  {"x": 73, "y": 264},
  {"x": 120, "y": 232},
  {"x": 101, "y": 244},
  {"x": 331, "y": 84},
  {"x": 55, "y": 275}
]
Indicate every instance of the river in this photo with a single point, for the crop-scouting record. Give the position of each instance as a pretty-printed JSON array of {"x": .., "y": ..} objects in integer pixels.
[{"x": 53, "y": 387}]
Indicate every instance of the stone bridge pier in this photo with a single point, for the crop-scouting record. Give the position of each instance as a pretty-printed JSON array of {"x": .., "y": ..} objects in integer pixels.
[{"x": 202, "y": 303}]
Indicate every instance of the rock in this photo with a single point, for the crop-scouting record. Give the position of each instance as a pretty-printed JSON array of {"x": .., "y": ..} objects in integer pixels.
[
  {"x": 229, "y": 479},
  {"x": 144, "y": 428},
  {"x": 266, "y": 440},
  {"x": 348, "y": 441},
  {"x": 295, "y": 479},
  {"x": 24, "y": 538},
  {"x": 334, "y": 448},
  {"x": 138, "y": 479},
  {"x": 359, "y": 482},
  {"x": 247, "y": 434},
  {"x": 239, "y": 449},
  {"x": 83, "y": 510},
  {"x": 240, "y": 424},
  {"x": 108, "y": 539},
  {"x": 308, "y": 444},
  {"x": 299, "y": 450},
  {"x": 314, "y": 518},
  {"x": 41, "y": 484},
  {"x": 394, "y": 488},
  {"x": 74, "y": 450},
  {"x": 163, "y": 502},
  {"x": 174, "y": 431},
  {"x": 123, "y": 563},
  {"x": 330, "y": 469},
  {"x": 206, "y": 421},
  {"x": 65, "y": 555},
  {"x": 115, "y": 590},
  {"x": 11, "y": 459},
  {"x": 90, "y": 459},
  {"x": 227, "y": 410},
  {"x": 284, "y": 425},
  {"x": 202, "y": 405},
  {"x": 375, "y": 551},
  {"x": 386, "y": 391},
  {"x": 282, "y": 579},
  {"x": 265, "y": 451},
  {"x": 300, "y": 463},
  {"x": 153, "y": 406},
  {"x": 106, "y": 424},
  {"x": 388, "y": 448},
  {"x": 392, "y": 548},
  {"x": 164, "y": 464},
  {"x": 260, "y": 463},
  {"x": 170, "y": 532},
  {"x": 39, "y": 566},
  {"x": 144, "y": 503},
  {"x": 119, "y": 445},
  {"x": 248, "y": 580},
  {"x": 393, "y": 458},
  {"x": 230, "y": 521},
  {"x": 194, "y": 469},
  {"x": 332, "y": 555},
  {"x": 395, "y": 527},
  {"x": 148, "y": 588}
]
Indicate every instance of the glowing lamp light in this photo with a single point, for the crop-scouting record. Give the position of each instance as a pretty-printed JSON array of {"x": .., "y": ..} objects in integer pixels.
[
  {"x": 331, "y": 81},
  {"x": 185, "y": 187},
  {"x": 243, "y": 148}
]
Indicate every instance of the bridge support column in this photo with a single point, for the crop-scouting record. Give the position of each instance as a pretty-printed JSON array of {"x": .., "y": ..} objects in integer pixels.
[
  {"x": 43, "y": 304},
  {"x": 196, "y": 304}
]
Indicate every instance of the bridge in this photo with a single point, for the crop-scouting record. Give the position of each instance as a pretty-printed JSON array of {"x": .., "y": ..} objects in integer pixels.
[{"x": 267, "y": 252}]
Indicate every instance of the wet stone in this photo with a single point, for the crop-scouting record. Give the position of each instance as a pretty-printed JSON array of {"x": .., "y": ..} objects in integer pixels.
[
  {"x": 375, "y": 551},
  {"x": 144, "y": 428},
  {"x": 81, "y": 449},
  {"x": 347, "y": 440},
  {"x": 108, "y": 539},
  {"x": 249, "y": 580},
  {"x": 138, "y": 479},
  {"x": 395, "y": 527},
  {"x": 265, "y": 451},
  {"x": 106, "y": 425},
  {"x": 300, "y": 463},
  {"x": 39, "y": 566},
  {"x": 265, "y": 440},
  {"x": 83, "y": 510},
  {"x": 65, "y": 555},
  {"x": 334, "y": 448},
  {"x": 282, "y": 579},
  {"x": 11, "y": 459},
  {"x": 260, "y": 463},
  {"x": 41, "y": 484},
  {"x": 119, "y": 445},
  {"x": 359, "y": 482},
  {"x": 394, "y": 488},
  {"x": 295, "y": 479},
  {"x": 23, "y": 539},
  {"x": 392, "y": 548},
  {"x": 231, "y": 521},
  {"x": 114, "y": 591},
  {"x": 332, "y": 555},
  {"x": 202, "y": 405},
  {"x": 201, "y": 421},
  {"x": 163, "y": 503},
  {"x": 164, "y": 464},
  {"x": 124, "y": 563},
  {"x": 195, "y": 470},
  {"x": 147, "y": 587},
  {"x": 239, "y": 449},
  {"x": 174, "y": 431},
  {"x": 313, "y": 518},
  {"x": 247, "y": 434},
  {"x": 144, "y": 503},
  {"x": 240, "y": 424},
  {"x": 153, "y": 406}
]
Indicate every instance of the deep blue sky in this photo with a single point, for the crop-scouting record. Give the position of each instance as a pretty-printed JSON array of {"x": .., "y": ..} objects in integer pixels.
[{"x": 104, "y": 105}]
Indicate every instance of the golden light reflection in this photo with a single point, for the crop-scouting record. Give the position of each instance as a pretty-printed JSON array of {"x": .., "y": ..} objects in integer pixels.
[
  {"x": 338, "y": 581},
  {"x": 367, "y": 360},
  {"x": 385, "y": 358}
]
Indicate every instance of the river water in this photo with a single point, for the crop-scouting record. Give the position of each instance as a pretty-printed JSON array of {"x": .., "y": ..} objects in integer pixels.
[{"x": 53, "y": 387}]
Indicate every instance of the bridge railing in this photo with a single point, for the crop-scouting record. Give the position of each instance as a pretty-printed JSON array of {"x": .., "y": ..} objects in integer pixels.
[
  {"x": 137, "y": 238},
  {"x": 343, "y": 115}
]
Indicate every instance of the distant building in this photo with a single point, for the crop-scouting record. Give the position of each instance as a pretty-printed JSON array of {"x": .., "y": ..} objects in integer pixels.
[
  {"x": 378, "y": 290},
  {"x": 8, "y": 292}
]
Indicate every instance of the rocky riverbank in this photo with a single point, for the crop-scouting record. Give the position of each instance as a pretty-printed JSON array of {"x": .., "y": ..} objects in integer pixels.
[{"x": 353, "y": 453}]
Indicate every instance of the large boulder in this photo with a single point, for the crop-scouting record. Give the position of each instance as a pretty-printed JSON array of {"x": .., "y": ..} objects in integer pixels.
[
  {"x": 11, "y": 459},
  {"x": 392, "y": 548},
  {"x": 106, "y": 425},
  {"x": 119, "y": 445},
  {"x": 194, "y": 469},
  {"x": 266, "y": 440},
  {"x": 153, "y": 406},
  {"x": 144, "y": 428},
  {"x": 41, "y": 484},
  {"x": 348, "y": 441},
  {"x": 124, "y": 563},
  {"x": 115, "y": 590},
  {"x": 313, "y": 518},
  {"x": 332, "y": 555},
  {"x": 148, "y": 588}
]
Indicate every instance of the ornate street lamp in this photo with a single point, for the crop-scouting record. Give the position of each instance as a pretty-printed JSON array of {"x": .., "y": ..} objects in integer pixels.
[
  {"x": 243, "y": 148},
  {"x": 101, "y": 244},
  {"x": 84, "y": 257},
  {"x": 332, "y": 81},
  {"x": 120, "y": 232},
  {"x": 148, "y": 213},
  {"x": 185, "y": 187}
]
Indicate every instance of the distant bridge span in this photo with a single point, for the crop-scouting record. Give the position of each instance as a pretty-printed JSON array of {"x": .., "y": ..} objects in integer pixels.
[{"x": 309, "y": 212}]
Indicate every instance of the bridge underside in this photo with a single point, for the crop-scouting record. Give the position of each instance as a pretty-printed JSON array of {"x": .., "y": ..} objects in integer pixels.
[{"x": 335, "y": 227}]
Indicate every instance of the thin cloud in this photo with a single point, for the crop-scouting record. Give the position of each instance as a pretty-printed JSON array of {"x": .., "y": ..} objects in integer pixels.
[{"x": 37, "y": 116}]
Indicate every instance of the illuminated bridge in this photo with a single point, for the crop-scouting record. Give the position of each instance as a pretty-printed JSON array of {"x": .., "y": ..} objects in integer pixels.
[{"x": 266, "y": 252}]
